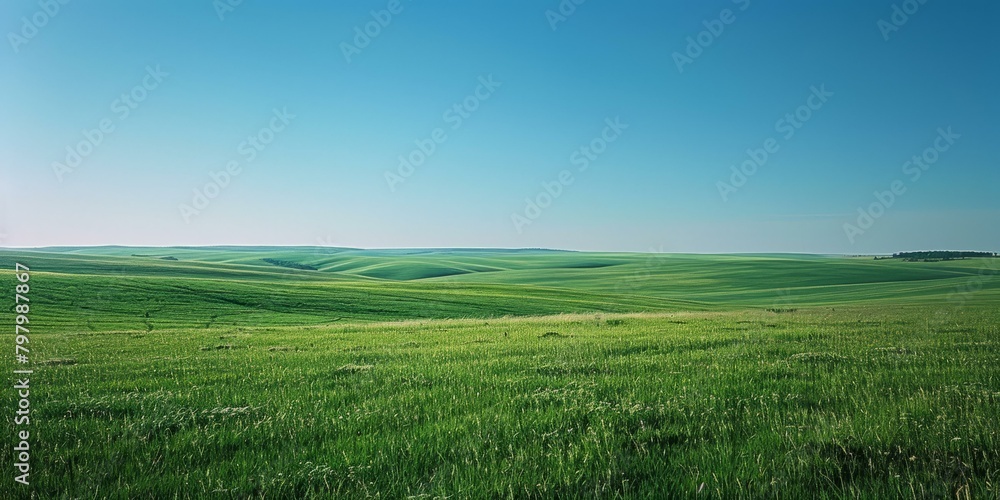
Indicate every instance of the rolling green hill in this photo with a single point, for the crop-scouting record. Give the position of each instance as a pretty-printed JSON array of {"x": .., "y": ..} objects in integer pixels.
[{"x": 151, "y": 288}]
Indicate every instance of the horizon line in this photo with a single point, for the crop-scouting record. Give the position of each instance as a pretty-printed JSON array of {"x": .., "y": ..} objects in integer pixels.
[{"x": 330, "y": 247}]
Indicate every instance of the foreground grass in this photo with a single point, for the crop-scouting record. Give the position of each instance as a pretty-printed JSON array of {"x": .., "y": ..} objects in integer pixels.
[{"x": 864, "y": 401}]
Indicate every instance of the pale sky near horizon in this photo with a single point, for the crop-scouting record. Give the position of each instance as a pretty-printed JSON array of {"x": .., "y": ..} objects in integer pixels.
[{"x": 615, "y": 126}]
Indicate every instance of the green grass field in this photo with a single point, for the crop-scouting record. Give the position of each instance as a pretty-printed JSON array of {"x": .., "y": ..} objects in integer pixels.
[{"x": 513, "y": 374}]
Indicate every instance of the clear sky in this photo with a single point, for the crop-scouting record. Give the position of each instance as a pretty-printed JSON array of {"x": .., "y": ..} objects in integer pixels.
[{"x": 179, "y": 87}]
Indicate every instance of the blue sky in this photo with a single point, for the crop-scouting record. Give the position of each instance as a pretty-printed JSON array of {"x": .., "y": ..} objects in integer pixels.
[{"x": 329, "y": 173}]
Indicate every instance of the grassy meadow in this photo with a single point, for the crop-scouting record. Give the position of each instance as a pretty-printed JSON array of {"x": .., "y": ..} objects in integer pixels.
[{"x": 210, "y": 372}]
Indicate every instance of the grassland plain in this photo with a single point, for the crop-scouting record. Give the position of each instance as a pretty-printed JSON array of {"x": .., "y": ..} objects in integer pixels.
[{"x": 517, "y": 374}]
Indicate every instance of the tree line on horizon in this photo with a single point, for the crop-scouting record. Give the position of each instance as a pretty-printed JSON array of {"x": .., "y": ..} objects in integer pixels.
[{"x": 938, "y": 255}]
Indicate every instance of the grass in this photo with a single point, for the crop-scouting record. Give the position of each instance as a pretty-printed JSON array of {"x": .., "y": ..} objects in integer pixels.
[{"x": 341, "y": 385}]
